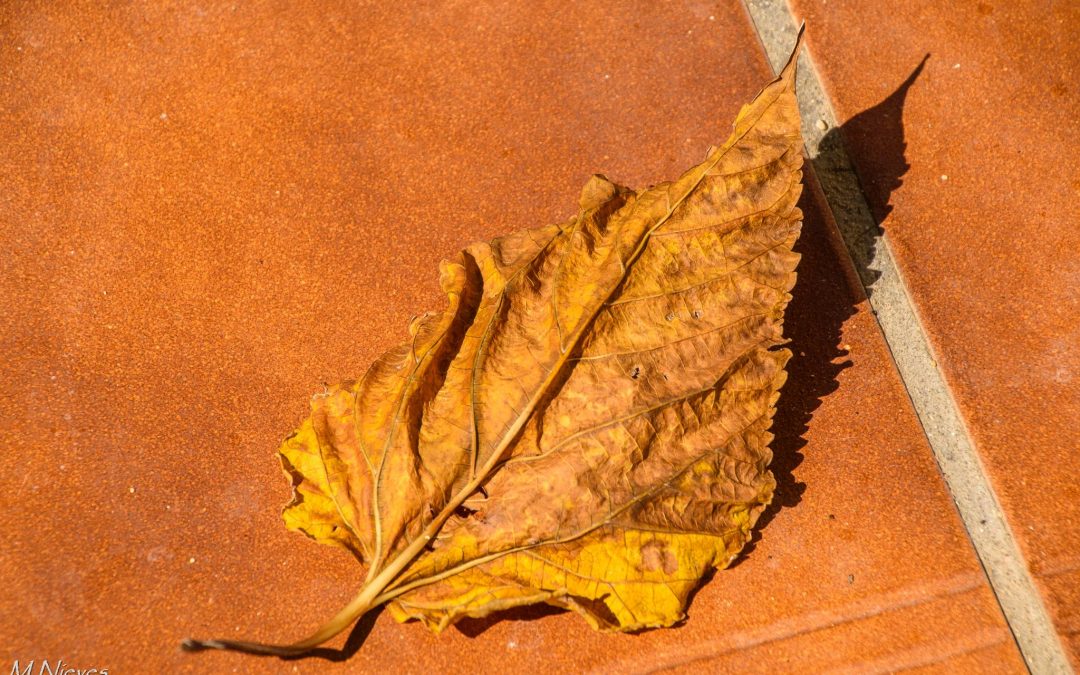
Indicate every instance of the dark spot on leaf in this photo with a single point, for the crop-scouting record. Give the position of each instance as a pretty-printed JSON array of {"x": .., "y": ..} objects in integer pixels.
[{"x": 656, "y": 556}]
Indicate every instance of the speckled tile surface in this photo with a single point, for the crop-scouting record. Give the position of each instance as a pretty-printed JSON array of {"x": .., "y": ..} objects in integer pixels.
[
  {"x": 209, "y": 211},
  {"x": 983, "y": 227}
]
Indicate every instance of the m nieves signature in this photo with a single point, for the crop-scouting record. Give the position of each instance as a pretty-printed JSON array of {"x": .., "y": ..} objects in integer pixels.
[{"x": 57, "y": 667}]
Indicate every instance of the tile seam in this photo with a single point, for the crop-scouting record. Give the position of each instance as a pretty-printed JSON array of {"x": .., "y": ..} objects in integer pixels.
[{"x": 895, "y": 311}]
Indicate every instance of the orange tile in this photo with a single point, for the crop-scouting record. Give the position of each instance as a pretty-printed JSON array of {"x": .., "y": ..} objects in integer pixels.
[
  {"x": 209, "y": 211},
  {"x": 983, "y": 226}
]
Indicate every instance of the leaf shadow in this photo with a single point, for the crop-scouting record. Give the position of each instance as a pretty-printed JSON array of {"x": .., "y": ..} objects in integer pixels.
[
  {"x": 473, "y": 627},
  {"x": 357, "y": 636},
  {"x": 822, "y": 300},
  {"x": 872, "y": 173}
]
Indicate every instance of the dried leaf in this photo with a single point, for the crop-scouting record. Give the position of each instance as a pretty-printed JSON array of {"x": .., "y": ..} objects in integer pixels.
[{"x": 587, "y": 423}]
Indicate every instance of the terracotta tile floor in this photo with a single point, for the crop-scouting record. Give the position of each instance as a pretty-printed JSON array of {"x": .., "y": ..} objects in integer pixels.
[
  {"x": 209, "y": 211},
  {"x": 984, "y": 229}
]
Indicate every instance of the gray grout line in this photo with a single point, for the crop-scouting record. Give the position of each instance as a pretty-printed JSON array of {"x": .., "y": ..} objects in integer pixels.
[{"x": 964, "y": 473}]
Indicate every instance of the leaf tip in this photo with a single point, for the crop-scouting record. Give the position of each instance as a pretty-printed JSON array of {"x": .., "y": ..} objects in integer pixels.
[{"x": 788, "y": 71}]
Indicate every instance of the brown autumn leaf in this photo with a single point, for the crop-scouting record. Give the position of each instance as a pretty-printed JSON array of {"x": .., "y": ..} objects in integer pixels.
[{"x": 587, "y": 423}]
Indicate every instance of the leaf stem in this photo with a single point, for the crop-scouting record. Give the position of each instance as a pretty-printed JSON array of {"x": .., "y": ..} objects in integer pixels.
[{"x": 367, "y": 599}]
